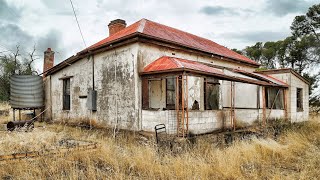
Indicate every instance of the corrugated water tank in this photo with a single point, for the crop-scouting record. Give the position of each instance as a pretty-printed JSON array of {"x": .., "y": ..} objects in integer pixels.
[{"x": 26, "y": 91}]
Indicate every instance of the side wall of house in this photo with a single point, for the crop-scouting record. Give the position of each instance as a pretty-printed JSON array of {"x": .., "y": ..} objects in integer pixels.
[
  {"x": 115, "y": 79},
  {"x": 47, "y": 98},
  {"x": 294, "y": 82},
  {"x": 295, "y": 114}
]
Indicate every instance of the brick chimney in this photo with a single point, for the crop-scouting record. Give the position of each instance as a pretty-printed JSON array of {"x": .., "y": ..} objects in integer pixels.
[
  {"x": 48, "y": 60},
  {"x": 116, "y": 26}
]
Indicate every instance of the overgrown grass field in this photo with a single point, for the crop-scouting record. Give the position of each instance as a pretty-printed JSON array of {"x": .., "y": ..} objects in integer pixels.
[{"x": 295, "y": 155}]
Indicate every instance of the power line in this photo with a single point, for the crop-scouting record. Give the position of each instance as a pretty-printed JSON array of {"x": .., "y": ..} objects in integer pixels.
[{"x": 74, "y": 12}]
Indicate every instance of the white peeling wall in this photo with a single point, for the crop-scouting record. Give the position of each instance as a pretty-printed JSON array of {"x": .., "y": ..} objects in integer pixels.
[
  {"x": 47, "y": 98},
  {"x": 115, "y": 78},
  {"x": 115, "y": 81},
  {"x": 80, "y": 82},
  {"x": 298, "y": 116},
  {"x": 195, "y": 91}
]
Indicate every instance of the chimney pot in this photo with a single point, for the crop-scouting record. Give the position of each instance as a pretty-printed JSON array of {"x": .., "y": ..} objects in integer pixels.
[{"x": 116, "y": 26}]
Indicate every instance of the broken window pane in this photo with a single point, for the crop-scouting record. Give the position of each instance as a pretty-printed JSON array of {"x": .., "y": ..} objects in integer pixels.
[
  {"x": 212, "y": 95},
  {"x": 299, "y": 99},
  {"x": 170, "y": 92},
  {"x": 66, "y": 94},
  {"x": 155, "y": 93},
  {"x": 274, "y": 97}
]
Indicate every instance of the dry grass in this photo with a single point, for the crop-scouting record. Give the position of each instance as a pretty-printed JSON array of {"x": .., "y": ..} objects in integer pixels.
[
  {"x": 295, "y": 155},
  {"x": 4, "y": 112}
]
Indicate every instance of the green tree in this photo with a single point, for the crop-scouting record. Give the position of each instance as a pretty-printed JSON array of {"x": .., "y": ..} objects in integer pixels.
[
  {"x": 307, "y": 24},
  {"x": 269, "y": 53},
  {"x": 254, "y": 52}
]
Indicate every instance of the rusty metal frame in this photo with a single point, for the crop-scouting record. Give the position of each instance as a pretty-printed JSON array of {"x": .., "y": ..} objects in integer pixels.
[
  {"x": 273, "y": 103},
  {"x": 177, "y": 103},
  {"x": 187, "y": 100},
  {"x": 182, "y": 104},
  {"x": 285, "y": 91},
  {"x": 264, "y": 106}
]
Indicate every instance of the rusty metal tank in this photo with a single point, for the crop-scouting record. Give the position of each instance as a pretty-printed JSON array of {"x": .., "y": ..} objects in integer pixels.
[{"x": 26, "y": 91}]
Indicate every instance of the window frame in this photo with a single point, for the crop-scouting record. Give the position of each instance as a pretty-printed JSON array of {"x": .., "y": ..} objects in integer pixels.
[
  {"x": 281, "y": 98},
  {"x": 299, "y": 99},
  {"x": 171, "y": 106},
  {"x": 213, "y": 82},
  {"x": 66, "y": 94}
]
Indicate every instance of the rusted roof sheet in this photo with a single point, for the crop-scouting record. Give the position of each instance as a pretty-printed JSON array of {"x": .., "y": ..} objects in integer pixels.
[
  {"x": 263, "y": 77},
  {"x": 172, "y": 64},
  {"x": 274, "y": 80},
  {"x": 133, "y": 28},
  {"x": 160, "y": 31},
  {"x": 166, "y": 63}
]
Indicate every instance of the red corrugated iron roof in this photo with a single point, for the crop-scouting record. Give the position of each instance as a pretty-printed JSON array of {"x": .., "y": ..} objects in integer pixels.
[
  {"x": 172, "y": 64},
  {"x": 166, "y": 63},
  {"x": 160, "y": 31}
]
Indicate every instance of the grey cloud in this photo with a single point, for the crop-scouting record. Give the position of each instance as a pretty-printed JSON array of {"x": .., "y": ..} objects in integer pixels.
[
  {"x": 257, "y": 36},
  {"x": 52, "y": 39},
  {"x": 59, "y": 7},
  {"x": 12, "y": 35},
  {"x": 8, "y": 13},
  {"x": 218, "y": 10},
  {"x": 284, "y": 7}
]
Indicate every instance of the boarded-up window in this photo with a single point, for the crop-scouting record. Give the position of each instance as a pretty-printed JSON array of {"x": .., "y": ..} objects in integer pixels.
[
  {"x": 66, "y": 94},
  {"x": 274, "y": 98},
  {"x": 170, "y": 93},
  {"x": 211, "y": 92},
  {"x": 299, "y": 99}
]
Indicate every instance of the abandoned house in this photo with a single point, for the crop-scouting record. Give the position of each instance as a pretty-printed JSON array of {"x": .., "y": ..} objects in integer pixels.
[{"x": 148, "y": 73}]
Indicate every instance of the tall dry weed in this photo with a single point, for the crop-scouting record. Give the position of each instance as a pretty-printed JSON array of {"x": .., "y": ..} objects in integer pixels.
[{"x": 294, "y": 155}]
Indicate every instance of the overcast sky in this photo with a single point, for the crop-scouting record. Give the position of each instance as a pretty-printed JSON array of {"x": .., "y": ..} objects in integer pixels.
[{"x": 231, "y": 23}]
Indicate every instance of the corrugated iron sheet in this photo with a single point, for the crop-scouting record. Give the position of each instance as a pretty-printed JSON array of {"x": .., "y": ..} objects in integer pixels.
[
  {"x": 26, "y": 91},
  {"x": 272, "y": 79},
  {"x": 166, "y": 63}
]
